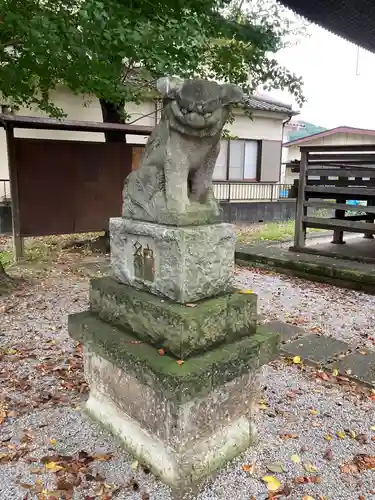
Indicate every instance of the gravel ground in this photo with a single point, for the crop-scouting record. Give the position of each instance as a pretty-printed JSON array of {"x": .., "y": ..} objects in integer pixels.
[
  {"x": 43, "y": 391},
  {"x": 344, "y": 314}
]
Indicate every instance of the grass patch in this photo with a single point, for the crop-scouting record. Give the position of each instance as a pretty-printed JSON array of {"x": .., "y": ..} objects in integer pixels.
[
  {"x": 269, "y": 231},
  {"x": 43, "y": 251},
  {"x": 6, "y": 258}
]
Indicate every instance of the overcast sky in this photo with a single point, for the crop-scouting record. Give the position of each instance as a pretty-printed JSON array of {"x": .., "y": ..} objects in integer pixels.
[{"x": 335, "y": 94}]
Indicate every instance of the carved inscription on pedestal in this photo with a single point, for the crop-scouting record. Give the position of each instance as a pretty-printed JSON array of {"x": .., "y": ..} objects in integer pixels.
[{"x": 144, "y": 262}]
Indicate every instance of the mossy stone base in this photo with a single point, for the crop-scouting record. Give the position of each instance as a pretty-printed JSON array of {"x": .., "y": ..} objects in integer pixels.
[
  {"x": 184, "y": 421},
  {"x": 178, "y": 329},
  {"x": 195, "y": 377}
]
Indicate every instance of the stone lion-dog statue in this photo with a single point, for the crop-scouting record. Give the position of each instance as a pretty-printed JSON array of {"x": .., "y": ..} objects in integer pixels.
[{"x": 173, "y": 184}]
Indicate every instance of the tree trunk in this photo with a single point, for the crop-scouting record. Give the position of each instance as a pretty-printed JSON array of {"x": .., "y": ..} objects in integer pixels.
[{"x": 112, "y": 114}]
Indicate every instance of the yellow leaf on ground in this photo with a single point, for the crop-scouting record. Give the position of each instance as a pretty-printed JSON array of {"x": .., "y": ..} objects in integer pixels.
[
  {"x": 335, "y": 372},
  {"x": 246, "y": 292},
  {"x": 262, "y": 405},
  {"x": 372, "y": 428},
  {"x": 296, "y": 459},
  {"x": 309, "y": 467},
  {"x": 135, "y": 465},
  {"x": 297, "y": 360},
  {"x": 314, "y": 412},
  {"x": 53, "y": 442},
  {"x": 327, "y": 437},
  {"x": 340, "y": 434},
  {"x": 11, "y": 351},
  {"x": 53, "y": 467},
  {"x": 272, "y": 483},
  {"x": 307, "y": 497}
]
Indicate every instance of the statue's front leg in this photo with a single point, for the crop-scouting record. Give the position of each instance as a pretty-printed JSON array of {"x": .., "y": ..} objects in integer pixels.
[
  {"x": 201, "y": 179},
  {"x": 176, "y": 189}
]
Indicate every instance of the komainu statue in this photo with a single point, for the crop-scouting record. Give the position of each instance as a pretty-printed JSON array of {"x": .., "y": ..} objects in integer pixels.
[{"x": 173, "y": 184}]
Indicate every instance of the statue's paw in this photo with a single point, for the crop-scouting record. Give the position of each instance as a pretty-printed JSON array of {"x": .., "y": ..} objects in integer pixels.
[{"x": 178, "y": 206}]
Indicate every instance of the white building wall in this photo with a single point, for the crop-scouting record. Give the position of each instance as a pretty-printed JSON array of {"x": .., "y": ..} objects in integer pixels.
[
  {"x": 344, "y": 139},
  {"x": 262, "y": 126}
]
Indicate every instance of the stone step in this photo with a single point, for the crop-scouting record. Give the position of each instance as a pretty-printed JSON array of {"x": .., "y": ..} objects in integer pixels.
[{"x": 181, "y": 330}]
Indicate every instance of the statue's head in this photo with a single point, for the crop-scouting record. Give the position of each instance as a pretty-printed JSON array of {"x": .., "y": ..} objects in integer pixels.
[{"x": 198, "y": 103}]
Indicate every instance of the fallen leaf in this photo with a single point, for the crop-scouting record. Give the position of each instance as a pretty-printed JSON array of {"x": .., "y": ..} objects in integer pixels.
[
  {"x": 307, "y": 480},
  {"x": 11, "y": 351},
  {"x": 328, "y": 455},
  {"x": 64, "y": 485},
  {"x": 248, "y": 468},
  {"x": 285, "y": 491},
  {"x": 275, "y": 467},
  {"x": 26, "y": 486},
  {"x": 307, "y": 497},
  {"x": 335, "y": 372},
  {"x": 272, "y": 483},
  {"x": 341, "y": 434},
  {"x": 135, "y": 464},
  {"x": 328, "y": 437},
  {"x": 372, "y": 428},
  {"x": 297, "y": 360},
  {"x": 361, "y": 438},
  {"x": 262, "y": 405},
  {"x": 53, "y": 442},
  {"x": 296, "y": 459},
  {"x": 180, "y": 362},
  {"x": 363, "y": 461},
  {"x": 348, "y": 468},
  {"x": 191, "y": 305},
  {"x": 102, "y": 457},
  {"x": 313, "y": 411},
  {"x": 246, "y": 292},
  {"x": 289, "y": 435},
  {"x": 323, "y": 375},
  {"x": 53, "y": 467},
  {"x": 309, "y": 467}
]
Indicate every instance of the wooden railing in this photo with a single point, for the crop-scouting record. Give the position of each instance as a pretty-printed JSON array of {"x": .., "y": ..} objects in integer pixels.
[{"x": 332, "y": 177}]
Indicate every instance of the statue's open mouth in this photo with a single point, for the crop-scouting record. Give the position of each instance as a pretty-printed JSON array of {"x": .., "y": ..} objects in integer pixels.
[{"x": 194, "y": 119}]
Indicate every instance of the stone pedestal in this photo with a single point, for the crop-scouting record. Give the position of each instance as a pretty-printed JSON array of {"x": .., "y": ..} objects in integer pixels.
[
  {"x": 182, "y": 263},
  {"x": 172, "y": 352},
  {"x": 184, "y": 421}
]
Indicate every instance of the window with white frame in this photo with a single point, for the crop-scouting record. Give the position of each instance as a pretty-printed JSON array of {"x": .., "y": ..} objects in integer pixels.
[{"x": 241, "y": 162}]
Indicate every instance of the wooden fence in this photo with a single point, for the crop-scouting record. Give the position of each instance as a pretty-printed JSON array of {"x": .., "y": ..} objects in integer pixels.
[{"x": 339, "y": 178}]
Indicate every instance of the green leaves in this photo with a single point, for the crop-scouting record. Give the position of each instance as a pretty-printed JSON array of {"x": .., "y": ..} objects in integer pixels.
[{"x": 116, "y": 49}]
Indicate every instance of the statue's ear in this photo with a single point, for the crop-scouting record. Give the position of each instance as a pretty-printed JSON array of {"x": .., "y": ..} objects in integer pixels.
[
  {"x": 168, "y": 86},
  {"x": 230, "y": 94}
]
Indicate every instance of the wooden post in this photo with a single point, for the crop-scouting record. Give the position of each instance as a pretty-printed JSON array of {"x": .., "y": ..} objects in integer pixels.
[
  {"x": 13, "y": 177},
  {"x": 370, "y": 218},
  {"x": 300, "y": 227},
  {"x": 338, "y": 234}
]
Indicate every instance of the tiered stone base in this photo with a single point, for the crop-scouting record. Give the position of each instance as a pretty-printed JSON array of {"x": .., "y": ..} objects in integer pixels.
[{"x": 184, "y": 421}]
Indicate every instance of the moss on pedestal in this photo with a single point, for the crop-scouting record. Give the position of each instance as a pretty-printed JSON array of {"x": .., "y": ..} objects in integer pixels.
[
  {"x": 181, "y": 330},
  {"x": 196, "y": 376}
]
